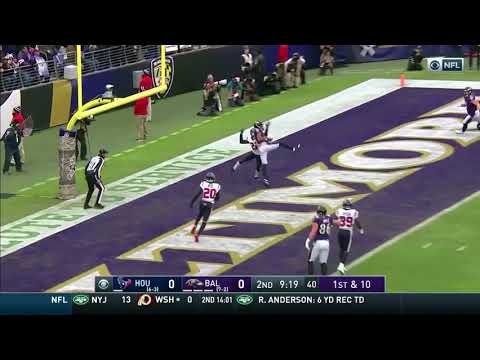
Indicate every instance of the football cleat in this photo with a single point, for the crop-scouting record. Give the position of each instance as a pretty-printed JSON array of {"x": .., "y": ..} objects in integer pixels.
[
  {"x": 459, "y": 131},
  {"x": 196, "y": 237},
  {"x": 341, "y": 269},
  {"x": 266, "y": 183},
  {"x": 99, "y": 206},
  {"x": 256, "y": 175}
]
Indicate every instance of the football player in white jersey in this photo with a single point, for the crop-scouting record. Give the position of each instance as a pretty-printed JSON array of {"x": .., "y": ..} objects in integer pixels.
[
  {"x": 348, "y": 217},
  {"x": 210, "y": 192},
  {"x": 261, "y": 145},
  {"x": 265, "y": 145}
]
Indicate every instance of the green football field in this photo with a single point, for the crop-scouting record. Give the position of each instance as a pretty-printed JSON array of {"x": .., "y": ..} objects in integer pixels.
[{"x": 409, "y": 263}]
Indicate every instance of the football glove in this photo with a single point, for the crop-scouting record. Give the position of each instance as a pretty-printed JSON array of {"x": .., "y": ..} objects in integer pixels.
[{"x": 307, "y": 244}]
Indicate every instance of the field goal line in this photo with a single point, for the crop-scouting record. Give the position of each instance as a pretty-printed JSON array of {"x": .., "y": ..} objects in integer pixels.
[{"x": 425, "y": 222}]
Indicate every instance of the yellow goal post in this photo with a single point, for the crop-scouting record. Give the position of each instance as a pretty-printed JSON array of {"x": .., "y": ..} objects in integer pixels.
[{"x": 100, "y": 105}]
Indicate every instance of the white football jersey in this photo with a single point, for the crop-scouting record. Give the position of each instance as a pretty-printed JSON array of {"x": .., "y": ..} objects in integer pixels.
[
  {"x": 209, "y": 191},
  {"x": 347, "y": 218}
]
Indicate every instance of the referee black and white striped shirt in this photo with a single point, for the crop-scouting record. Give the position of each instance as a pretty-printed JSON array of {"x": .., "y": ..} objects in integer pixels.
[{"x": 94, "y": 167}]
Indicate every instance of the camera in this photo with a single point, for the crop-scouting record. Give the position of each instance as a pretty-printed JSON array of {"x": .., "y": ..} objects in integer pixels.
[{"x": 108, "y": 94}]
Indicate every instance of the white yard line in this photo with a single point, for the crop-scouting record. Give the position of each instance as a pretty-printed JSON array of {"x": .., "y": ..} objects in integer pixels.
[
  {"x": 392, "y": 241},
  {"x": 461, "y": 248},
  {"x": 426, "y": 246}
]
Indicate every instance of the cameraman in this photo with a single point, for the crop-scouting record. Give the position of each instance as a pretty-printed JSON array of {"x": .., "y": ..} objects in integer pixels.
[
  {"x": 474, "y": 49},
  {"x": 235, "y": 87},
  {"x": 81, "y": 138},
  {"x": 295, "y": 70},
  {"x": 259, "y": 71},
  {"x": 249, "y": 89},
  {"x": 326, "y": 61},
  {"x": 211, "y": 99},
  {"x": 272, "y": 84},
  {"x": 415, "y": 60}
]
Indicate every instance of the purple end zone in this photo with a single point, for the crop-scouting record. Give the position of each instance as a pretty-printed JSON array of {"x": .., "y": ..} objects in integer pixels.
[{"x": 384, "y": 214}]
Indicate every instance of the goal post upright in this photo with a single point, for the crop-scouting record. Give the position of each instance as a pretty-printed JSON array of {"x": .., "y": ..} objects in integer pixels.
[
  {"x": 67, "y": 140},
  {"x": 79, "y": 78}
]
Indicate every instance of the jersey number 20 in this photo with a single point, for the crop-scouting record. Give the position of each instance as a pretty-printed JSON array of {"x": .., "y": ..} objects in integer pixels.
[{"x": 209, "y": 193}]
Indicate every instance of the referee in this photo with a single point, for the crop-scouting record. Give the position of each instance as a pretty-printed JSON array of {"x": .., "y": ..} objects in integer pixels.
[{"x": 93, "y": 177}]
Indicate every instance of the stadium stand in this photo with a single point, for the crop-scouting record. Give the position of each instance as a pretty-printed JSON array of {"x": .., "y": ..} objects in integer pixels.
[{"x": 27, "y": 65}]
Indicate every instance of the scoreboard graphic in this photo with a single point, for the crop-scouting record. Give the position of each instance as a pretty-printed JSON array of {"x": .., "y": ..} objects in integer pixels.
[
  {"x": 205, "y": 284},
  {"x": 237, "y": 295}
]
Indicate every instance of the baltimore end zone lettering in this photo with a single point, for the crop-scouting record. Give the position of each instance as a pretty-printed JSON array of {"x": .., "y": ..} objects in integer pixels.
[{"x": 317, "y": 185}]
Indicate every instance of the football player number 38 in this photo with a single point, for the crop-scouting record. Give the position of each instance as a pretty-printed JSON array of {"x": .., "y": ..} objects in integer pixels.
[
  {"x": 346, "y": 221},
  {"x": 209, "y": 193}
]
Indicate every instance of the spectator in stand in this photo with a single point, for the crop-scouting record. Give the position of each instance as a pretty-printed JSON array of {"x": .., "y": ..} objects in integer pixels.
[
  {"x": 41, "y": 65},
  {"x": 71, "y": 52},
  {"x": 146, "y": 83},
  {"x": 60, "y": 59},
  {"x": 8, "y": 73},
  {"x": 281, "y": 60},
  {"x": 24, "y": 55}
]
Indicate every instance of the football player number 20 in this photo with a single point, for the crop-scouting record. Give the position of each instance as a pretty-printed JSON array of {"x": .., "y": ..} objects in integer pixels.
[
  {"x": 209, "y": 193},
  {"x": 346, "y": 221}
]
